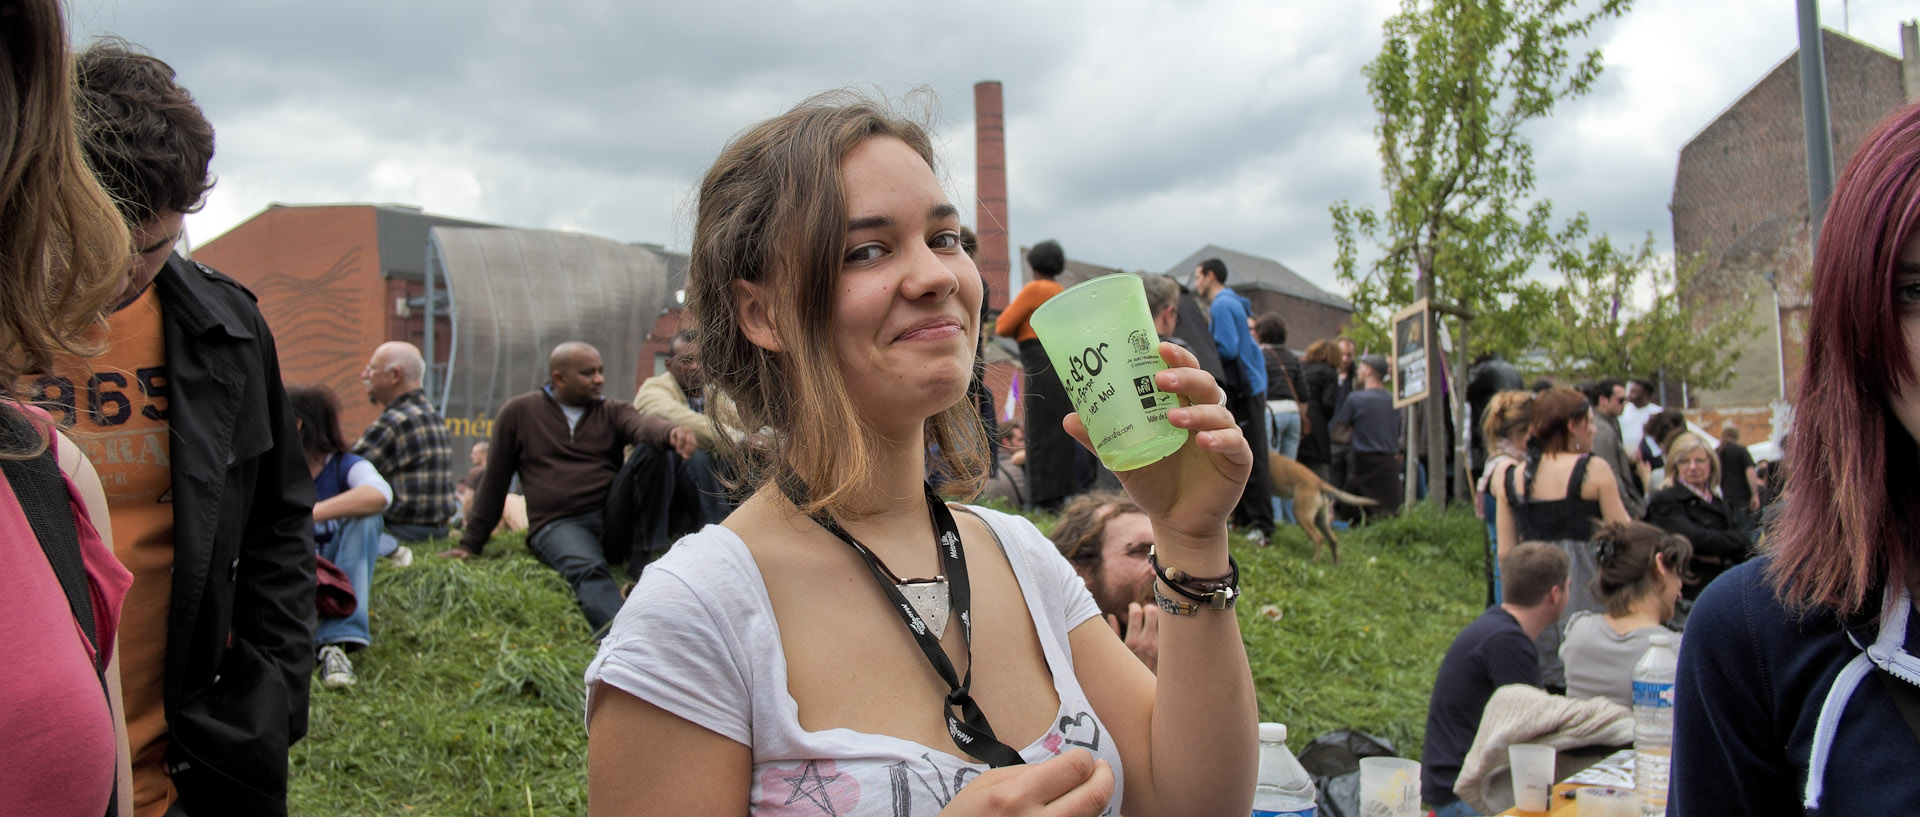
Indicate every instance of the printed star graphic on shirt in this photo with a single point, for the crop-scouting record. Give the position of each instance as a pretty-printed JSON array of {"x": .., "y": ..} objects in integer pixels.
[{"x": 812, "y": 786}]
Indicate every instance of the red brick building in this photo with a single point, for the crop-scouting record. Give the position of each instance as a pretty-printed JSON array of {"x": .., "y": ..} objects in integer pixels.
[
  {"x": 1740, "y": 200},
  {"x": 336, "y": 281}
]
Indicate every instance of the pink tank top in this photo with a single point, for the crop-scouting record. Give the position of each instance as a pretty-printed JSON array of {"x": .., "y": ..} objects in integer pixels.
[{"x": 56, "y": 731}]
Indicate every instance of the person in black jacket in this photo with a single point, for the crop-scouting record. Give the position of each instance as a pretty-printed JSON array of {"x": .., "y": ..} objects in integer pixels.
[
  {"x": 1320, "y": 385},
  {"x": 213, "y": 512},
  {"x": 1691, "y": 506},
  {"x": 1285, "y": 399},
  {"x": 1284, "y": 374},
  {"x": 1491, "y": 374}
]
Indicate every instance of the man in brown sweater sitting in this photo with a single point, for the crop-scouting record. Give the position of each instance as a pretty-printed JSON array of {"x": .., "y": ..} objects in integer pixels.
[{"x": 567, "y": 444}]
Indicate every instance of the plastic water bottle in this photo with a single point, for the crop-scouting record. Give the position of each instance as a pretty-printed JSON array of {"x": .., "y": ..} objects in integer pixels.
[
  {"x": 1653, "y": 723},
  {"x": 1284, "y": 789}
]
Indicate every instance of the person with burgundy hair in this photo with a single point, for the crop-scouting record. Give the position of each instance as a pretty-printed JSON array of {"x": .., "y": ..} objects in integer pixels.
[{"x": 1776, "y": 712}]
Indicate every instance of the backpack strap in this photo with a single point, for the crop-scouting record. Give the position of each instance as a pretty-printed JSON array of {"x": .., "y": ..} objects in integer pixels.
[
  {"x": 43, "y": 497},
  {"x": 41, "y": 491}
]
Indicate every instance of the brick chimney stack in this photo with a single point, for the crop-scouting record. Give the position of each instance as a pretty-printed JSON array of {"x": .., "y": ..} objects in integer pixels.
[{"x": 990, "y": 186}]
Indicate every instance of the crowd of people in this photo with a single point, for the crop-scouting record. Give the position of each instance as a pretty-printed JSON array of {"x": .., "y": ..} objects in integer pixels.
[
  {"x": 1633, "y": 500},
  {"x": 207, "y": 534},
  {"x": 209, "y": 529},
  {"x": 1654, "y": 528}
]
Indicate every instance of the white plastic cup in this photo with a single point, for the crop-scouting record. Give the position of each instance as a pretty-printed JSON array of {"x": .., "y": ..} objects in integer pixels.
[
  {"x": 1602, "y": 801},
  {"x": 1532, "y": 775},
  {"x": 1389, "y": 787}
]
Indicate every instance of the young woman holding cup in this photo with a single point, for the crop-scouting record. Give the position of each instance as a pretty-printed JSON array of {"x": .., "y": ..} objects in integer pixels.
[{"x": 778, "y": 657}]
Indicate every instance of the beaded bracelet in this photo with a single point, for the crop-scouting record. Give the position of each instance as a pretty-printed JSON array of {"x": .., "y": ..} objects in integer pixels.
[{"x": 1219, "y": 593}]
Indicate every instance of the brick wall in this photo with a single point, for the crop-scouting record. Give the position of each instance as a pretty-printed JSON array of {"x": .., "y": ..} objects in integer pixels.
[
  {"x": 1740, "y": 200},
  {"x": 1307, "y": 321},
  {"x": 316, "y": 272}
]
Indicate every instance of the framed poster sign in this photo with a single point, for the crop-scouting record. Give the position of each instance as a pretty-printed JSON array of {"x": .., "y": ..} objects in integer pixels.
[{"x": 1410, "y": 381}]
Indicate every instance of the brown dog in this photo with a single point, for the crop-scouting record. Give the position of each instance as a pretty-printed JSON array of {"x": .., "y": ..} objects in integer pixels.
[{"x": 1312, "y": 505}]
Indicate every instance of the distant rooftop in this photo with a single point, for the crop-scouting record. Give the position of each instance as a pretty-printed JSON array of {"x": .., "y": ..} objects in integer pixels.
[{"x": 1245, "y": 271}]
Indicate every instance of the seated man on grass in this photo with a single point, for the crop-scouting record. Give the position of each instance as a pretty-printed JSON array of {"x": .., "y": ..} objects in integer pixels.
[
  {"x": 679, "y": 494},
  {"x": 566, "y": 441},
  {"x": 1492, "y": 652}
]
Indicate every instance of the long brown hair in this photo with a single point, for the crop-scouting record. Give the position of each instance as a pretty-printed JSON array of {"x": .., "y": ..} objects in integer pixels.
[
  {"x": 1321, "y": 351},
  {"x": 64, "y": 252},
  {"x": 1852, "y": 521},
  {"x": 1555, "y": 411},
  {"x": 772, "y": 211}
]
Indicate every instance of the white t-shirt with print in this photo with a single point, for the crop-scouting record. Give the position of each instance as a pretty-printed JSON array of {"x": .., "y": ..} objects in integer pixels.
[{"x": 697, "y": 638}]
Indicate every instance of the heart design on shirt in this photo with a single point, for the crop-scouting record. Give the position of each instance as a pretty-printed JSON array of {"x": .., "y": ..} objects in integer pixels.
[{"x": 1081, "y": 725}]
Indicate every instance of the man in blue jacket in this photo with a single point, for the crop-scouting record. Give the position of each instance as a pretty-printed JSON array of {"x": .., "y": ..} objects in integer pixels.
[
  {"x": 1246, "y": 387},
  {"x": 207, "y": 483}
]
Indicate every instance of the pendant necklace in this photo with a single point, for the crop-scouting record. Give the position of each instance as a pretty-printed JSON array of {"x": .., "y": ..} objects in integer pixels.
[{"x": 924, "y": 605}]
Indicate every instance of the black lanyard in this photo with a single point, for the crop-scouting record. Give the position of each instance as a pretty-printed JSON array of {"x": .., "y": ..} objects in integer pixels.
[{"x": 970, "y": 730}]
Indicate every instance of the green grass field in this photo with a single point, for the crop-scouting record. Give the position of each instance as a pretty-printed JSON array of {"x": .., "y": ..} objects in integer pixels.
[{"x": 469, "y": 701}]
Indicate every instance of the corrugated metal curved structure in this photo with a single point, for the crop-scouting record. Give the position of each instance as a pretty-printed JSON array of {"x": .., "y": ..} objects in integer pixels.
[{"x": 513, "y": 295}]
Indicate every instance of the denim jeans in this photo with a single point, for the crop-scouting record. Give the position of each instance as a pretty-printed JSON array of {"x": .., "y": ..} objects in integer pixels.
[
  {"x": 351, "y": 549},
  {"x": 572, "y": 546},
  {"x": 399, "y": 532},
  {"x": 1283, "y": 433},
  {"x": 1491, "y": 505},
  {"x": 1283, "y": 438},
  {"x": 1457, "y": 808}
]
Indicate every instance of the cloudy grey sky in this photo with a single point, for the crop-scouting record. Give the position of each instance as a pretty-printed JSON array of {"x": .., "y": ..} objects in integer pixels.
[{"x": 1138, "y": 130}]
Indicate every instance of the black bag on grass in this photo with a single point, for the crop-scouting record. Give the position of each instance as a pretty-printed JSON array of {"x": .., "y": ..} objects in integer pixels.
[{"x": 1333, "y": 759}]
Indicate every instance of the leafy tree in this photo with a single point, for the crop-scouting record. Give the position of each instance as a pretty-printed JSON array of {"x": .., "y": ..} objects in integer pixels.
[
  {"x": 1454, "y": 85},
  {"x": 1597, "y": 331}
]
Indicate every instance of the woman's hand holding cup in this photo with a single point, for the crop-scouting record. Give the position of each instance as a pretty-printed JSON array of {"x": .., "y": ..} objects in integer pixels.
[{"x": 1189, "y": 493}]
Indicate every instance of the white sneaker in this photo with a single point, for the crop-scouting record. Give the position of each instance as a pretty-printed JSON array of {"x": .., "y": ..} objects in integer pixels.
[
  {"x": 335, "y": 670},
  {"x": 401, "y": 556}
]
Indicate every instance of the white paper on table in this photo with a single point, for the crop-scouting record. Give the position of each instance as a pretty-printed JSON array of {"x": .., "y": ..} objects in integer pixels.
[{"x": 1615, "y": 770}]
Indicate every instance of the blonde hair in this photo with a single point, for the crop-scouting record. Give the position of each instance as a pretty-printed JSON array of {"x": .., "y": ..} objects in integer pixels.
[
  {"x": 64, "y": 248},
  {"x": 772, "y": 211},
  {"x": 1678, "y": 445},
  {"x": 1509, "y": 414}
]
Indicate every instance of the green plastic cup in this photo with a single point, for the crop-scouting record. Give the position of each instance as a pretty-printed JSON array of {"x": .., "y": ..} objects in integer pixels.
[{"x": 1100, "y": 339}]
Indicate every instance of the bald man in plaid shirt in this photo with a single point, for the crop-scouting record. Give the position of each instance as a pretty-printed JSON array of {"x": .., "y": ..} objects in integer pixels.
[{"x": 408, "y": 443}]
